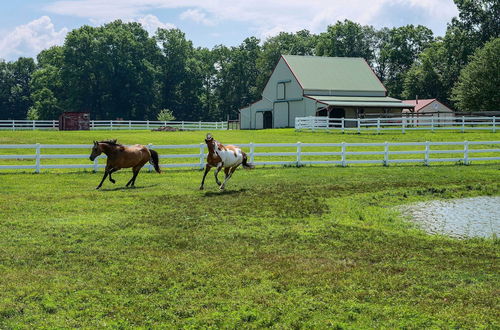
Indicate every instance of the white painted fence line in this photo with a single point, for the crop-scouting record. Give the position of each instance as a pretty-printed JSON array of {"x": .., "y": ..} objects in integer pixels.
[
  {"x": 464, "y": 155},
  {"x": 115, "y": 124},
  {"x": 403, "y": 124}
]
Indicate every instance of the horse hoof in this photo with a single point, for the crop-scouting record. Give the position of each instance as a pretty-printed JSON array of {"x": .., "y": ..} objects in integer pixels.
[
  {"x": 97, "y": 188},
  {"x": 201, "y": 188},
  {"x": 113, "y": 181}
]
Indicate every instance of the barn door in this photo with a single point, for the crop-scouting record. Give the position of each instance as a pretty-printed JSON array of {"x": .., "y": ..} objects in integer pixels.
[{"x": 268, "y": 119}]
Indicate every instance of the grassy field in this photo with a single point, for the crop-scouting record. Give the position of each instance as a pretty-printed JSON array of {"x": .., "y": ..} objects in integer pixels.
[{"x": 312, "y": 247}]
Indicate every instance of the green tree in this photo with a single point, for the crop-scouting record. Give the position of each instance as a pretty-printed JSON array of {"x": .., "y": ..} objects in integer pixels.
[
  {"x": 15, "y": 89},
  {"x": 165, "y": 115},
  {"x": 425, "y": 77},
  {"x": 112, "y": 71},
  {"x": 236, "y": 78},
  {"x": 181, "y": 80},
  {"x": 477, "y": 87},
  {"x": 347, "y": 39},
  {"x": 398, "y": 50}
]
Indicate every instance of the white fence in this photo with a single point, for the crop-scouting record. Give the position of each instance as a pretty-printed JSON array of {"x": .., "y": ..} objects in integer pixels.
[
  {"x": 402, "y": 124},
  {"x": 115, "y": 124},
  {"x": 341, "y": 154}
]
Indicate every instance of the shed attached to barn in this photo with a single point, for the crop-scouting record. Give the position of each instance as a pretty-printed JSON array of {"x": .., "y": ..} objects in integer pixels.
[
  {"x": 302, "y": 86},
  {"x": 429, "y": 108}
]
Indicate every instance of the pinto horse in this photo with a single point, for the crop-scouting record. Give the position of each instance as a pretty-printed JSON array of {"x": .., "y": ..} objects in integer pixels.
[
  {"x": 120, "y": 156},
  {"x": 220, "y": 156}
]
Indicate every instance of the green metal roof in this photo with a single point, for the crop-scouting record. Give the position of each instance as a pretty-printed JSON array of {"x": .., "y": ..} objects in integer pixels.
[
  {"x": 334, "y": 73},
  {"x": 362, "y": 101}
]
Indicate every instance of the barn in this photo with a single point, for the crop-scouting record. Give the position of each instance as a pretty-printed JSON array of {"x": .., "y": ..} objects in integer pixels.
[
  {"x": 336, "y": 87},
  {"x": 429, "y": 108}
]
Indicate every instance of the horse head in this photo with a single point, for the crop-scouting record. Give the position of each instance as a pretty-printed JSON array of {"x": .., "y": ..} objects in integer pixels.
[{"x": 96, "y": 151}]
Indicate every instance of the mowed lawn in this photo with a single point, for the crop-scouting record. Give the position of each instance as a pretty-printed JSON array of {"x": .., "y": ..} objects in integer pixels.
[{"x": 312, "y": 247}]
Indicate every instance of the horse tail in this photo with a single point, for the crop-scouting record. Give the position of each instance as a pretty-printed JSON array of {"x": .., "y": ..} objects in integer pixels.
[
  {"x": 246, "y": 164},
  {"x": 155, "y": 160}
]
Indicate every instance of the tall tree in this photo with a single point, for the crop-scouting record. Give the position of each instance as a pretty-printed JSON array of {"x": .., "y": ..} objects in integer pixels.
[
  {"x": 237, "y": 76},
  {"x": 425, "y": 78},
  {"x": 477, "y": 88},
  {"x": 180, "y": 75},
  {"x": 111, "y": 71},
  {"x": 15, "y": 89},
  {"x": 347, "y": 39},
  {"x": 399, "y": 48}
]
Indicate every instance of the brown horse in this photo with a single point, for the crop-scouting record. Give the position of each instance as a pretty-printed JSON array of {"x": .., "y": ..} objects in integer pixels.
[
  {"x": 220, "y": 156},
  {"x": 120, "y": 156}
]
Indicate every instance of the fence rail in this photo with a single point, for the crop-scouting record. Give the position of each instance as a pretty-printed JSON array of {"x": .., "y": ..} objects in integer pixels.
[
  {"x": 402, "y": 124},
  {"x": 115, "y": 124},
  {"x": 295, "y": 154}
]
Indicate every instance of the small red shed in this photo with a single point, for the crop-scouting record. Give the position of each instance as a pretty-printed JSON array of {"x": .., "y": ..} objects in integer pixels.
[{"x": 74, "y": 121}]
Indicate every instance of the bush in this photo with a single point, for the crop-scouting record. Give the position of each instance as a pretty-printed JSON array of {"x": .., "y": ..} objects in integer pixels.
[
  {"x": 32, "y": 114},
  {"x": 166, "y": 115}
]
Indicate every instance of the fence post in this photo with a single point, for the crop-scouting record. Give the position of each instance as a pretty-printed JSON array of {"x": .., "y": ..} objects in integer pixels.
[
  {"x": 111, "y": 124},
  {"x": 463, "y": 124},
  {"x": 343, "y": 155},
  {"x": 432, "y": 124},
  {"x": 386, "y": 153},
  {"x": 37, "y": 161},
  {"x": 466, "y": 152},
  {"x": 147, "y": 124},
  {"x": 199, "y": 125},
  {"x": 92, "y": 124},
  {"x": 54, "y": 124},
  {"x": 299, "y": 150},
  {"x": 494, "y": 124},
  {"x": 202, "y": 155},
  {"x": 13, "y": 125},
  {"x": 130, "y": 124},
  {"x": 426, "y": 156},
  {"x": 343, "y": 125},
  {"x": 359, "y": 125},
  {"x": 403, "y": 122},
  {"x": 378, "y": 125},
  {"x": 182, "y": 124},
  {"x": 34, "y": 125},
  {"x": 96, "y": 164},
  {"x": 252, "y": 151}
]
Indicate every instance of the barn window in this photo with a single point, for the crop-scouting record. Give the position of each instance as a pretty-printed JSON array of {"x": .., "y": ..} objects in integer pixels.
[{"x": 281, "y": 91}]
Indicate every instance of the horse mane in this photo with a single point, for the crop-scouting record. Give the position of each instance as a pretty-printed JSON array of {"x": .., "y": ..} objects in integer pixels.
[{"x": 112, "y": 142}]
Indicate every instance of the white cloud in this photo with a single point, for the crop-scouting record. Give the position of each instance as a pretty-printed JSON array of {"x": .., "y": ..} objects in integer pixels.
[
  {"x": 269, "y": 17},
  {"x": 31, "y": 38},
  {"x": 197, "y": 16},
  {"x": 151, "y": 23}
]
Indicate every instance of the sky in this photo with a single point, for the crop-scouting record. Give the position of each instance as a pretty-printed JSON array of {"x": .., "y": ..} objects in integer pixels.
[{"x": 29, "y": 26}]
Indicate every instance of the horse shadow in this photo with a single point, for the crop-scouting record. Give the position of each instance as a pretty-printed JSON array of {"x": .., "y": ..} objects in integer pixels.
[
  {"x": 224, "y": 192},
  {"x": 129, "y": 188}
]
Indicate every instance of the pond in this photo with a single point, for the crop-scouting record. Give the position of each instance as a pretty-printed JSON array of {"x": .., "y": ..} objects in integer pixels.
[{"x": 461, "y": 218}]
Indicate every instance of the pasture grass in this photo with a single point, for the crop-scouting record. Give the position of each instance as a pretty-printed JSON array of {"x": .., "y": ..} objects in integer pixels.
[{"x": 313, "y": 247}]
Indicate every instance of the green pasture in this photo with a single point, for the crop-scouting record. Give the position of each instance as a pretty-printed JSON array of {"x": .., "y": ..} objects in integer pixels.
[
  {"x": 236, "y": 137},
  {"x": 284, "y": 247},
  {"x": 313, "y": 247}
]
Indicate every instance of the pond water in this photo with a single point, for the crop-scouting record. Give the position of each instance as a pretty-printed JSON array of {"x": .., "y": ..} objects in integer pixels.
[{"x": 461, "y": 218}]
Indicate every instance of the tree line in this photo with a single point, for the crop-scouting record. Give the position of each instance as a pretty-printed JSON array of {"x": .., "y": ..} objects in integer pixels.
[{"x": 118, "y": 70}]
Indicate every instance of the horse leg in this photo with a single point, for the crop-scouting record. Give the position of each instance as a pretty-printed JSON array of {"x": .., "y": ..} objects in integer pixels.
[
  {"x": 112, "y": 171},
  {"x": 207, "y": 169},
  {"x": 132, "y": 179},
  {"x": 229, "y": 174},
  {"x": 106, "y": 172},
  {"x": 219, "y": 167}
]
